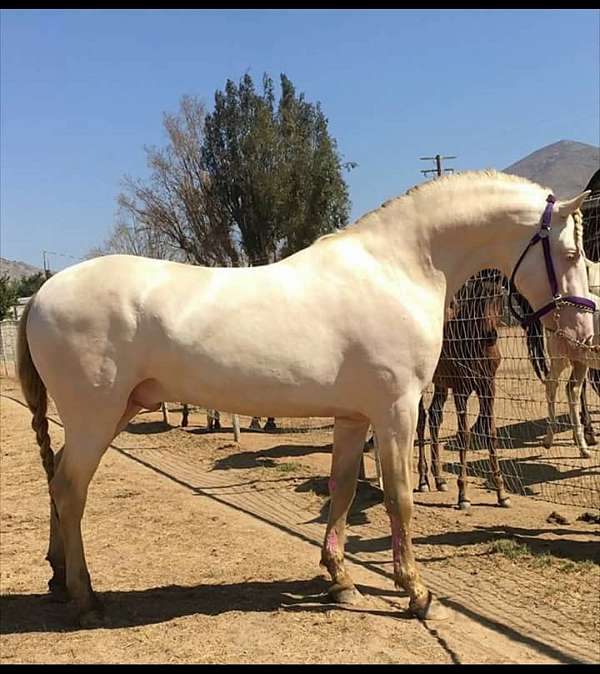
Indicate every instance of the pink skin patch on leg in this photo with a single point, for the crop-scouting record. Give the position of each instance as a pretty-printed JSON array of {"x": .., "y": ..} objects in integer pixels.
[
  {"x": 331, "y": 544},
  {"x": 331, "y": 485}
]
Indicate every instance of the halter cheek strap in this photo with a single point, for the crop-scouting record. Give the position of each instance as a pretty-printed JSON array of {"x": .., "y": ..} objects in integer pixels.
[{"x": 557, "y": 298}]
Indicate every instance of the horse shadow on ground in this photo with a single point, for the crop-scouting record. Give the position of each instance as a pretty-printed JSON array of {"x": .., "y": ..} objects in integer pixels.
[
  {"x": 367, "y": 496},
  {"x": 568, "y": 548},
  {"x": 30, "y": 613},
  {"x": 264, "y": 457},
  {"x": 148, "y": 427},
  {"x": 520, "y": 475},
  {"x": 523, "y": 434}
]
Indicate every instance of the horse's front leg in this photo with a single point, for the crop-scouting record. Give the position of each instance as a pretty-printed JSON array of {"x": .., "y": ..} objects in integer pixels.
[
  {"x": 462, "y": 436},
  {"x": 586, "y": 419},
  {"x": 574, "y": 387},
  {"x": 436, "y": 416},
  {"x": 395, "y": 434},
  {"x": 423, "y": 468},
  {"x": 557, "y": 365},
  {"x": 348, "y": 440}
]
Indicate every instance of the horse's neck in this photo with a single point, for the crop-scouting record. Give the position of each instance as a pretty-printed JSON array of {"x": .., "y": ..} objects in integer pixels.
[{"x": 456, "y": 234}]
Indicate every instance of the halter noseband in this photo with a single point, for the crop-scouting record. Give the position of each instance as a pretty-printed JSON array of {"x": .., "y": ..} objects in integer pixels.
[{"x": 557, "y": 298}]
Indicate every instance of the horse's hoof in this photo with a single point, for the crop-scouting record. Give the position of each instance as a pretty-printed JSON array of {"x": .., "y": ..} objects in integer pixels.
[
  {"x": 345, "y": 595},
  {"x": 423, "y": 487},
  {"x": 432, "y": 610},
  {"x": 504, "y": 503},
  {"x": 585, "y": 453},
  {"x": 464, "y": 505},
  {"x": 441, "y": 486}
]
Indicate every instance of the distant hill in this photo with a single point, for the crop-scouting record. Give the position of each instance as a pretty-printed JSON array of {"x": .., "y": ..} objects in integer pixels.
[
  {"x": 565, "y": 166},
  {"x": 17, "y": 270}
]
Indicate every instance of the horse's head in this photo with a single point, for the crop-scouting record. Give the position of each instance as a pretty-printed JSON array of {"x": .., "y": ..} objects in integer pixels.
[{"x": 552, "y": 274}]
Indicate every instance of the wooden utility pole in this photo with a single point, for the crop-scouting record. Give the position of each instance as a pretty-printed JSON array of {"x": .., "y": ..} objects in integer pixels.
[{"x": 439, "y": 166}]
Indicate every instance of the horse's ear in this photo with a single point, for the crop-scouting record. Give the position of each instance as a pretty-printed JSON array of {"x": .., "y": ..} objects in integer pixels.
[{"x": 565, "y": 208}]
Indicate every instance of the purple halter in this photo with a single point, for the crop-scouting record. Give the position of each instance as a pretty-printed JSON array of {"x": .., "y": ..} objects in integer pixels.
[{"x": 557, "y": 298}]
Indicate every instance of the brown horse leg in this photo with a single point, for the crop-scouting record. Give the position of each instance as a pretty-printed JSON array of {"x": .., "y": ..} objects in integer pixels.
[
  {"x": 255, "y": 424},
  {"x": 487, "y": 393},
  {"x": 184, "y": 415},
  {"x": 586, "y": 419},
  {"x": 462, "y": 436},
  {"x": 423, "y": 468},
  {"x": 436, "y": 411}
]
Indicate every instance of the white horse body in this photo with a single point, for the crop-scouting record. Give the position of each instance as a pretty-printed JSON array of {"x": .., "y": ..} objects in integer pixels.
[
  {"x": 276, "y": 340},
  {"x": 351, "y": 327}
]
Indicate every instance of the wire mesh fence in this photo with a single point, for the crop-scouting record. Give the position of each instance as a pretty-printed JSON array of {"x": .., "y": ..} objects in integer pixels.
[{"x": 498, "y": 406}]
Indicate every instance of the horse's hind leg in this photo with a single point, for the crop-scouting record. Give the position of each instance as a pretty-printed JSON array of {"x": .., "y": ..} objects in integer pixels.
[
  {"x": 574, "y": 386},
  {"x": 460, "y": 402},
  {"x": 348, "y": 441},
  {"x": 586, "y": 419},
  {"x": 57, "y": 585},
  {"x": 436, "y": 413},
  {"x": 81, "y": 455},
  {"x": 487, "y": 394},
  {"x": 423, "y": 468},
  {"x": 86, "y": 440}
]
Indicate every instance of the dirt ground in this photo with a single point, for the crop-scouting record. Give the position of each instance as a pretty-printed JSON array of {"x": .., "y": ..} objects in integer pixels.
[{"x": 205, "y": 551}]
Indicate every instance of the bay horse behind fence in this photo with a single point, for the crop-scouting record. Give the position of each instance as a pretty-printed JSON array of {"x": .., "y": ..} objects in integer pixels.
[
  {"x": 468, "y": 364},
  {"x": 350, "y": 328}
]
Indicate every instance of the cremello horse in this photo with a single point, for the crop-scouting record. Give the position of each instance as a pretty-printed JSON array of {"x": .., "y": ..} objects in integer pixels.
[
  {"x": 351, "y": 328},
  {"x": 559, "y": 362}
]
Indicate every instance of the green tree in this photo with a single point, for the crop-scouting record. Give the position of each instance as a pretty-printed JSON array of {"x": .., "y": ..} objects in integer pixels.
[
  {"x": 275, "y": 173},
  {"x": 8, "y": 295},
  {"x": 167, "y": 217},
  {"x": 250, "y": 183},
  {"x": 28, "y": 285}
]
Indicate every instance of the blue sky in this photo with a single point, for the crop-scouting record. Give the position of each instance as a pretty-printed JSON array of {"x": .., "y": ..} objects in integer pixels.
[{"x": 83, "y": 91}]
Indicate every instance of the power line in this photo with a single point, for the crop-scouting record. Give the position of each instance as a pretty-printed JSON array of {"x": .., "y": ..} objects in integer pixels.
[
  {"x": 439, "y": 169},
  {"x": 46, "y": 262}
]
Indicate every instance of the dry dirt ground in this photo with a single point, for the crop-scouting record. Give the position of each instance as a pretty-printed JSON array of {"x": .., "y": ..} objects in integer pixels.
[{"x": 207, "y": 551}]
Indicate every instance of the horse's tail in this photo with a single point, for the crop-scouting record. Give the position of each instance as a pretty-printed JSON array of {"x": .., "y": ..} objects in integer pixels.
[
  {"x": 535, "y": 340},
  {"x": 535, "y": 348},
  {"x": 35, "y": 394}
]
